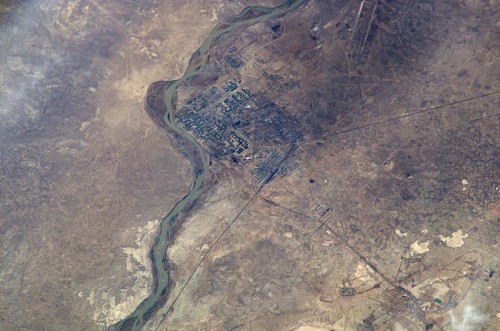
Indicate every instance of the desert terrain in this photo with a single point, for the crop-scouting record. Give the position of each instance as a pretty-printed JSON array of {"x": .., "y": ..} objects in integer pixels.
[{"x": 354, "y": 165}]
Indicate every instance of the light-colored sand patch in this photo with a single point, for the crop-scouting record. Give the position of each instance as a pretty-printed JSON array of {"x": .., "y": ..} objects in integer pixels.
[
  {"x": 398, "y": 327},
  {"x": 465, "y": 182},
  {"x": 401, "y": 234},
  {"x": 110, "y": 306},
  {"x": 364, "y": 276},
  {"x": 417, "y": 248},
  {"x": 311, "y": 328},
  {"x": 455, "y": 240},
  {"x": 140, "y": 254},
  {"x": 389, "y": 166}
]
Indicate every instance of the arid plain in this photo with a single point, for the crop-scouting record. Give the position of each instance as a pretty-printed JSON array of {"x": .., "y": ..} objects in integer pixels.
[{"x": 383, "y": 213}]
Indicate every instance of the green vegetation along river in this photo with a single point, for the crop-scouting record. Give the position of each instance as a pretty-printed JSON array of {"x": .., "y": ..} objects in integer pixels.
[{"x": 161, "y": 104}]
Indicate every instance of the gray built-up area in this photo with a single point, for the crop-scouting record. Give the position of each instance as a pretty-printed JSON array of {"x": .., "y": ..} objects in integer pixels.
[{"x": 235, "y": 122}]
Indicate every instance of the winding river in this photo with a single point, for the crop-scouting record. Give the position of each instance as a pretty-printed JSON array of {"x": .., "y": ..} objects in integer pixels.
[{"x": 160, "y": 103}]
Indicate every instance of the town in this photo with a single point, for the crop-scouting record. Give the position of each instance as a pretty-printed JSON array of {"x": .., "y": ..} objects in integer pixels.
[{"x": 231, "y": 121}]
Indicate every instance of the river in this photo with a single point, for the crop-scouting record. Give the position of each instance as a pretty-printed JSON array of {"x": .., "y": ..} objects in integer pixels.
[{"x": 195, "y": 153}]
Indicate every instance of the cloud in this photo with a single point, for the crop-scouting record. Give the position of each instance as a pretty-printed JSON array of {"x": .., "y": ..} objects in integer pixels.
[
  {"x": 27, "y": 54},
  {"x": 468, "y": 320}
]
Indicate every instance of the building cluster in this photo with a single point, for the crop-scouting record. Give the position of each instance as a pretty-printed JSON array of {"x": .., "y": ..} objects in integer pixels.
[
  {"x": 274, "y": 124},
  {"x": 209, "y": 119},
  {"x": 267, "y": 169},
  {"x": 277, "y": 163},
  {"x": 230, "y": 117},
  {"x": 231, "y": 103},
  {"x": 281, "y": 84},
  {"x": 288, "y": 166},
  {"x": 236, "y": 143},
  {"x": 233, "y": 60},
  {"x": 321, "y": 209}
]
